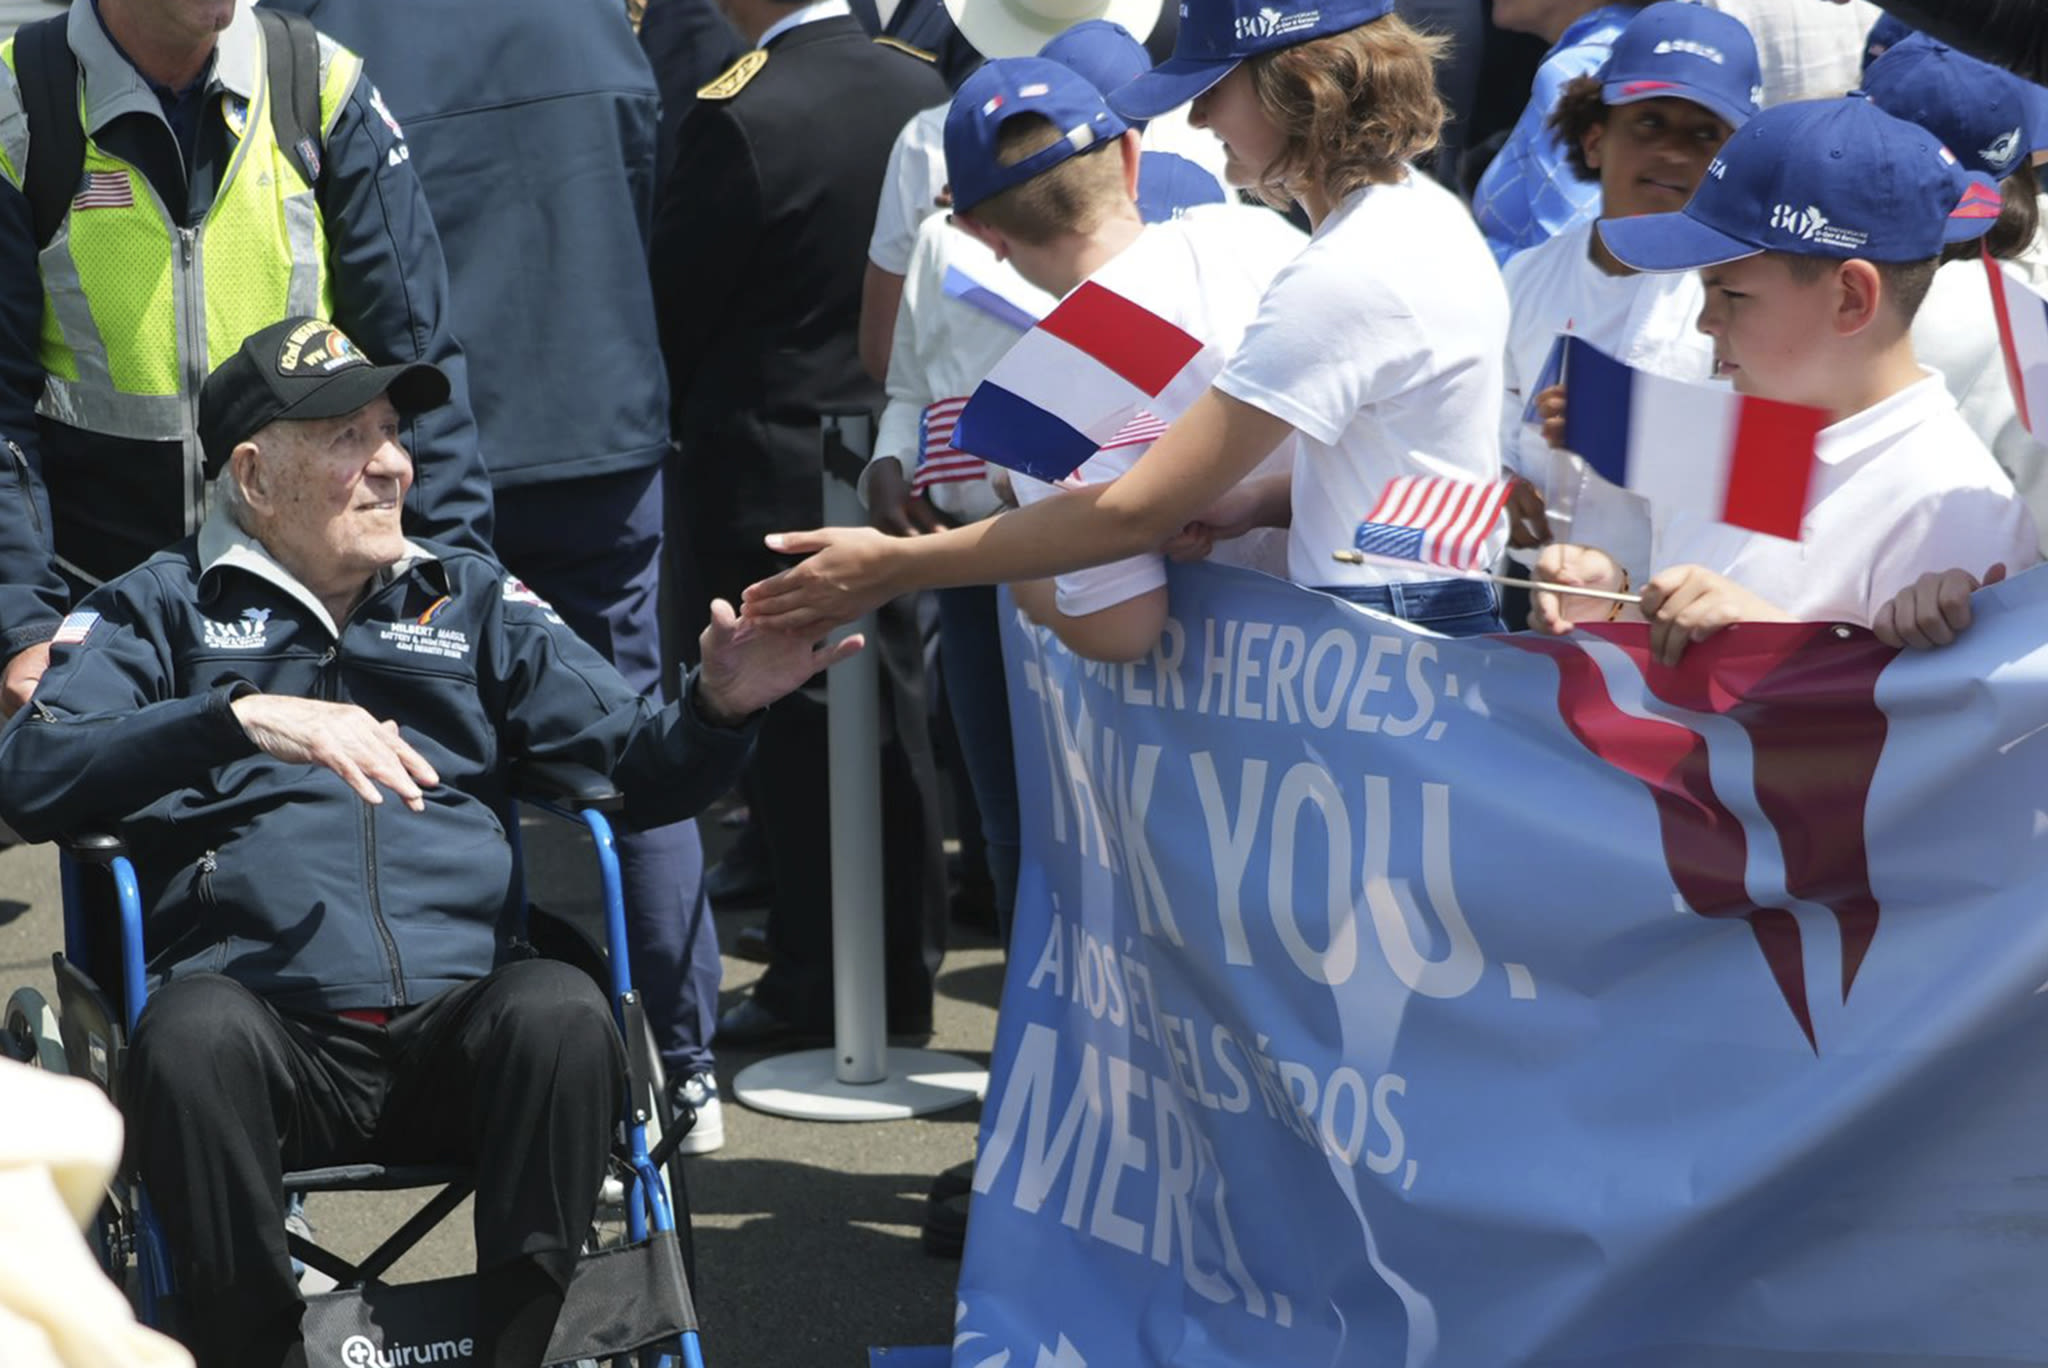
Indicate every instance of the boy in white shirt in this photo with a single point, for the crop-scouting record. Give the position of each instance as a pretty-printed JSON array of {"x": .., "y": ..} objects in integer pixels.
[
  {"x": 1679, "y": 81},
  {"x": 1816, "y": 232}
]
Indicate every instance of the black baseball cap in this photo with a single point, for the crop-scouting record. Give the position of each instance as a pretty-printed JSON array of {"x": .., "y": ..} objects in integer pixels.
[{"x": 302, "y": 369}]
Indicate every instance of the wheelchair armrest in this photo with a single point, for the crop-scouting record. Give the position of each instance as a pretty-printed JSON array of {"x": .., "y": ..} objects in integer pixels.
[
  {"x": 94, "y": 847},
  {"x": 566, "y": 784}
]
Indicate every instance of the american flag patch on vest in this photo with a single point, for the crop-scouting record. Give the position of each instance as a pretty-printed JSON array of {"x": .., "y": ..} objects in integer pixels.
[{"x": 105, "y": 190}]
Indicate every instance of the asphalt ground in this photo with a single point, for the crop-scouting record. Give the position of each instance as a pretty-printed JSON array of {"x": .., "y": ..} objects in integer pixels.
[{"x": 806, "y": 1232}]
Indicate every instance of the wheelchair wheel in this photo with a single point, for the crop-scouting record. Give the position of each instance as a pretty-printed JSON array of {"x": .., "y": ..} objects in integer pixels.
[{"x": 30, "y": 1035}]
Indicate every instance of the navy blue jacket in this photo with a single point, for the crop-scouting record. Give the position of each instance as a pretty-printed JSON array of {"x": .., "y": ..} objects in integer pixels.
[
  {"x": 278, "y": 874},
  {"x": 532, "y": 124},
  {"x": 117, "y": 501}
]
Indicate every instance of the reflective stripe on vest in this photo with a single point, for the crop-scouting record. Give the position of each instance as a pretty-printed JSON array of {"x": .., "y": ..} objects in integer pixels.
[{"x": 137, "y": 310}]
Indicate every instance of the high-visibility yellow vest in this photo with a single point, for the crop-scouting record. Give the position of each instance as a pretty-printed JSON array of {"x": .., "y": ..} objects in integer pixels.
[{"x": 138, "y": 309}]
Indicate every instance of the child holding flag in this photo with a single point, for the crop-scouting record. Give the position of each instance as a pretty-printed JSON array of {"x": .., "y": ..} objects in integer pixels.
[
  {"x": 1680, "y": 79},
  {"x": 1816, "y": 232},
  {"x": 1379, "y": 346}
]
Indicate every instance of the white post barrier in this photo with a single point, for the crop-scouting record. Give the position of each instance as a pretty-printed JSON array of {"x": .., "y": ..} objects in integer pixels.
[{"x": 860, "y": 1078}]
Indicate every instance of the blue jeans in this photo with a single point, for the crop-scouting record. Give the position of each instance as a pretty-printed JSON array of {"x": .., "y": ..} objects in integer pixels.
[{"x": 1454, "y": 607}]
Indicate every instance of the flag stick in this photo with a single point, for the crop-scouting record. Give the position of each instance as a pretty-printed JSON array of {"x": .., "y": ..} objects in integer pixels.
[{"x": 1606, "y": 595}]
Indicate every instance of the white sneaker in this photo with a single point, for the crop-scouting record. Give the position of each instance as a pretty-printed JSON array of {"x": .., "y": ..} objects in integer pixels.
[
  {"x": 311, "y": 1280},
  {"x": 699, "y": 1094}
]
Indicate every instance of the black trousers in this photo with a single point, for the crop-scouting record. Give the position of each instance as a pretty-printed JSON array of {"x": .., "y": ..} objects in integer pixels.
[
  {"x": 519, "y": 1074},
  {"x": 792, "y": 795}
]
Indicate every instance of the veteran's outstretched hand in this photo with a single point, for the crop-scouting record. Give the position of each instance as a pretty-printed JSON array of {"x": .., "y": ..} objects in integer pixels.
[
  {"x": 746, "y": 667},
  {"x": 850, "y": 571}
]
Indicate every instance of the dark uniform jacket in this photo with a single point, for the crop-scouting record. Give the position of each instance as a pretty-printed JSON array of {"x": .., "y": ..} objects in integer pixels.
[
  {"x": 116, "y": 501},
  {"x": 759, "y": 250},
  {"x": 278, "y": 874},
  {"x": 532, "y": 126}
]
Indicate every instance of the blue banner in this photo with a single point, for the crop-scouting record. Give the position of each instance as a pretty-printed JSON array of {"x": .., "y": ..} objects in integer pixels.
[{"x": 1377, "y": 998}]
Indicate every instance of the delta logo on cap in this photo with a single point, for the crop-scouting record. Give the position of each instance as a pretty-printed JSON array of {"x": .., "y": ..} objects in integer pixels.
[{"x": 317, "y": 348}]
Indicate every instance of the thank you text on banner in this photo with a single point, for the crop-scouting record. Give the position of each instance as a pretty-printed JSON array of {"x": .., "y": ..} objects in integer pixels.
[{"x": 1377, "y": 998}]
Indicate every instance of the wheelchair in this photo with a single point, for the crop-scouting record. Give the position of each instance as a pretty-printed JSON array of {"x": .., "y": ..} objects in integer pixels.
[{"x": 628, "y": 1300}]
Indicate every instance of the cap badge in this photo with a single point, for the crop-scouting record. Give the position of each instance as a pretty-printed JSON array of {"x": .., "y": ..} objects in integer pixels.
[
  {"x": 1697, "y": 49},
  {"x": 1811, "y": 225},
  {"x": 1272, "y": 23},
  {"x": 316, "y": 348},
  {"x": 2003, "y": 149}
]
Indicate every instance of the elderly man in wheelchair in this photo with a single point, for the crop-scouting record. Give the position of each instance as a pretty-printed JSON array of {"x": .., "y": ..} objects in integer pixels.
[{"x": 302, "y": 723}]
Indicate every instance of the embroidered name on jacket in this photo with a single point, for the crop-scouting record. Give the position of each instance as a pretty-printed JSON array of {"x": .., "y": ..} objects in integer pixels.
[
  {"x": 249, "y": 632},
  {"x": 422, "y": 638}
]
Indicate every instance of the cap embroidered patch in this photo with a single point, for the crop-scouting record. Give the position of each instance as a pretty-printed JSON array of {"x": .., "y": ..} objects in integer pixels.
[{"x": 316, "y": 348}]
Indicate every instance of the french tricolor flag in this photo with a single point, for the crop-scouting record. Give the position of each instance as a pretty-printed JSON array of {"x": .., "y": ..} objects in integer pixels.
[
  {"x": 2023, "y": 333},
  {"x": 1075, "y": 382},
  {"x": 1740, "y": 459}
]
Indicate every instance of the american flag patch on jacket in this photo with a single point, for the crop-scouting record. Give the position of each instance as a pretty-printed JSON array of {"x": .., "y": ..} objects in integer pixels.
[
  {"x": 938, "y": 460},
  {"x": 105, "y": 190}
]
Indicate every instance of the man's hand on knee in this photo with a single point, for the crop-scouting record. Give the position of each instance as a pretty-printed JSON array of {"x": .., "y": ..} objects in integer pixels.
[{"x": 344, "y": 738}]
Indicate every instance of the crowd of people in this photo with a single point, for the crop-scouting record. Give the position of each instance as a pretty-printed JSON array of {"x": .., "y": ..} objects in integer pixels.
[{"x": 390, "y": 399}]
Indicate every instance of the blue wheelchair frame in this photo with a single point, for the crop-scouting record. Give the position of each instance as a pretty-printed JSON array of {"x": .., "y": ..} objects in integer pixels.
[{"x": 648, "y": 1203}]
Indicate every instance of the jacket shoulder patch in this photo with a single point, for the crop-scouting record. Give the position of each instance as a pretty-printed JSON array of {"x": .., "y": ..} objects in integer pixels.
[
  {"x": 734, "y": 78},
  {"x": 907, "y": 49}
]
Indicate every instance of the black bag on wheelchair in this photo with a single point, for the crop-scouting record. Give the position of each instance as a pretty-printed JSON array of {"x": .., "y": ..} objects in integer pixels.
[{"x": 631, "y": 1295}]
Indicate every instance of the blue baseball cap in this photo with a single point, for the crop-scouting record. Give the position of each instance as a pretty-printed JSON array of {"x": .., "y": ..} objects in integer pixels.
[
  {"x": 1682, "y": 51},
  {"x": 1215, "y": 35},
  {"x": 1101, "y": 50},
  {"x": 1888, "y": 31},
  {"x": 1828, "y": 178},
  {"x": 999, "y": 91},
  {"x": 1169, "y": 185},
  {"x": 1979, "y": 110}
]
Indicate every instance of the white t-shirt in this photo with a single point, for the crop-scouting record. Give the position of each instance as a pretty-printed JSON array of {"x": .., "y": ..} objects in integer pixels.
[
  {"x": 1904, "y": 488},
  {"x": 2026, "y": 458},
  {"x": 1205, "y": 272},
  {"x": 944, "y": 347},
  {"x": 1381, "y": 343},
  {"x": 1956, "y": 333},
  {"x": 1645, "y": 320},
  {"x": 911, "y": 187},
  {"x": 1808, "y": 50}
]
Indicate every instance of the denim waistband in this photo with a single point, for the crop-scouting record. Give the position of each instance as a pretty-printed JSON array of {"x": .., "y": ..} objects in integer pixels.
[{"x": 1422, "y": 600}]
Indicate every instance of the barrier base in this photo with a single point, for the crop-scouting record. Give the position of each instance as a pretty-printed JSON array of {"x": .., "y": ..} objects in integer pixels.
[{"x": 804, "y": 1085}]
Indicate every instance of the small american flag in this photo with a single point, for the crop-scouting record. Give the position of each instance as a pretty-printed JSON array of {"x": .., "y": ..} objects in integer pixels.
[
  {"x": 76, "y": 627},
  {"x": 105, "y": 190},
  {"x": 938, "y": 460},
  {"x": 1433, "y": 520},
  {"x": 1143, "y": 430}
]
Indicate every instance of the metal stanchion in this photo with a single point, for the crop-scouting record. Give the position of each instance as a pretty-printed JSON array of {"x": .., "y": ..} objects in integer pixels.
[{"x": 860, "y": 1078}]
